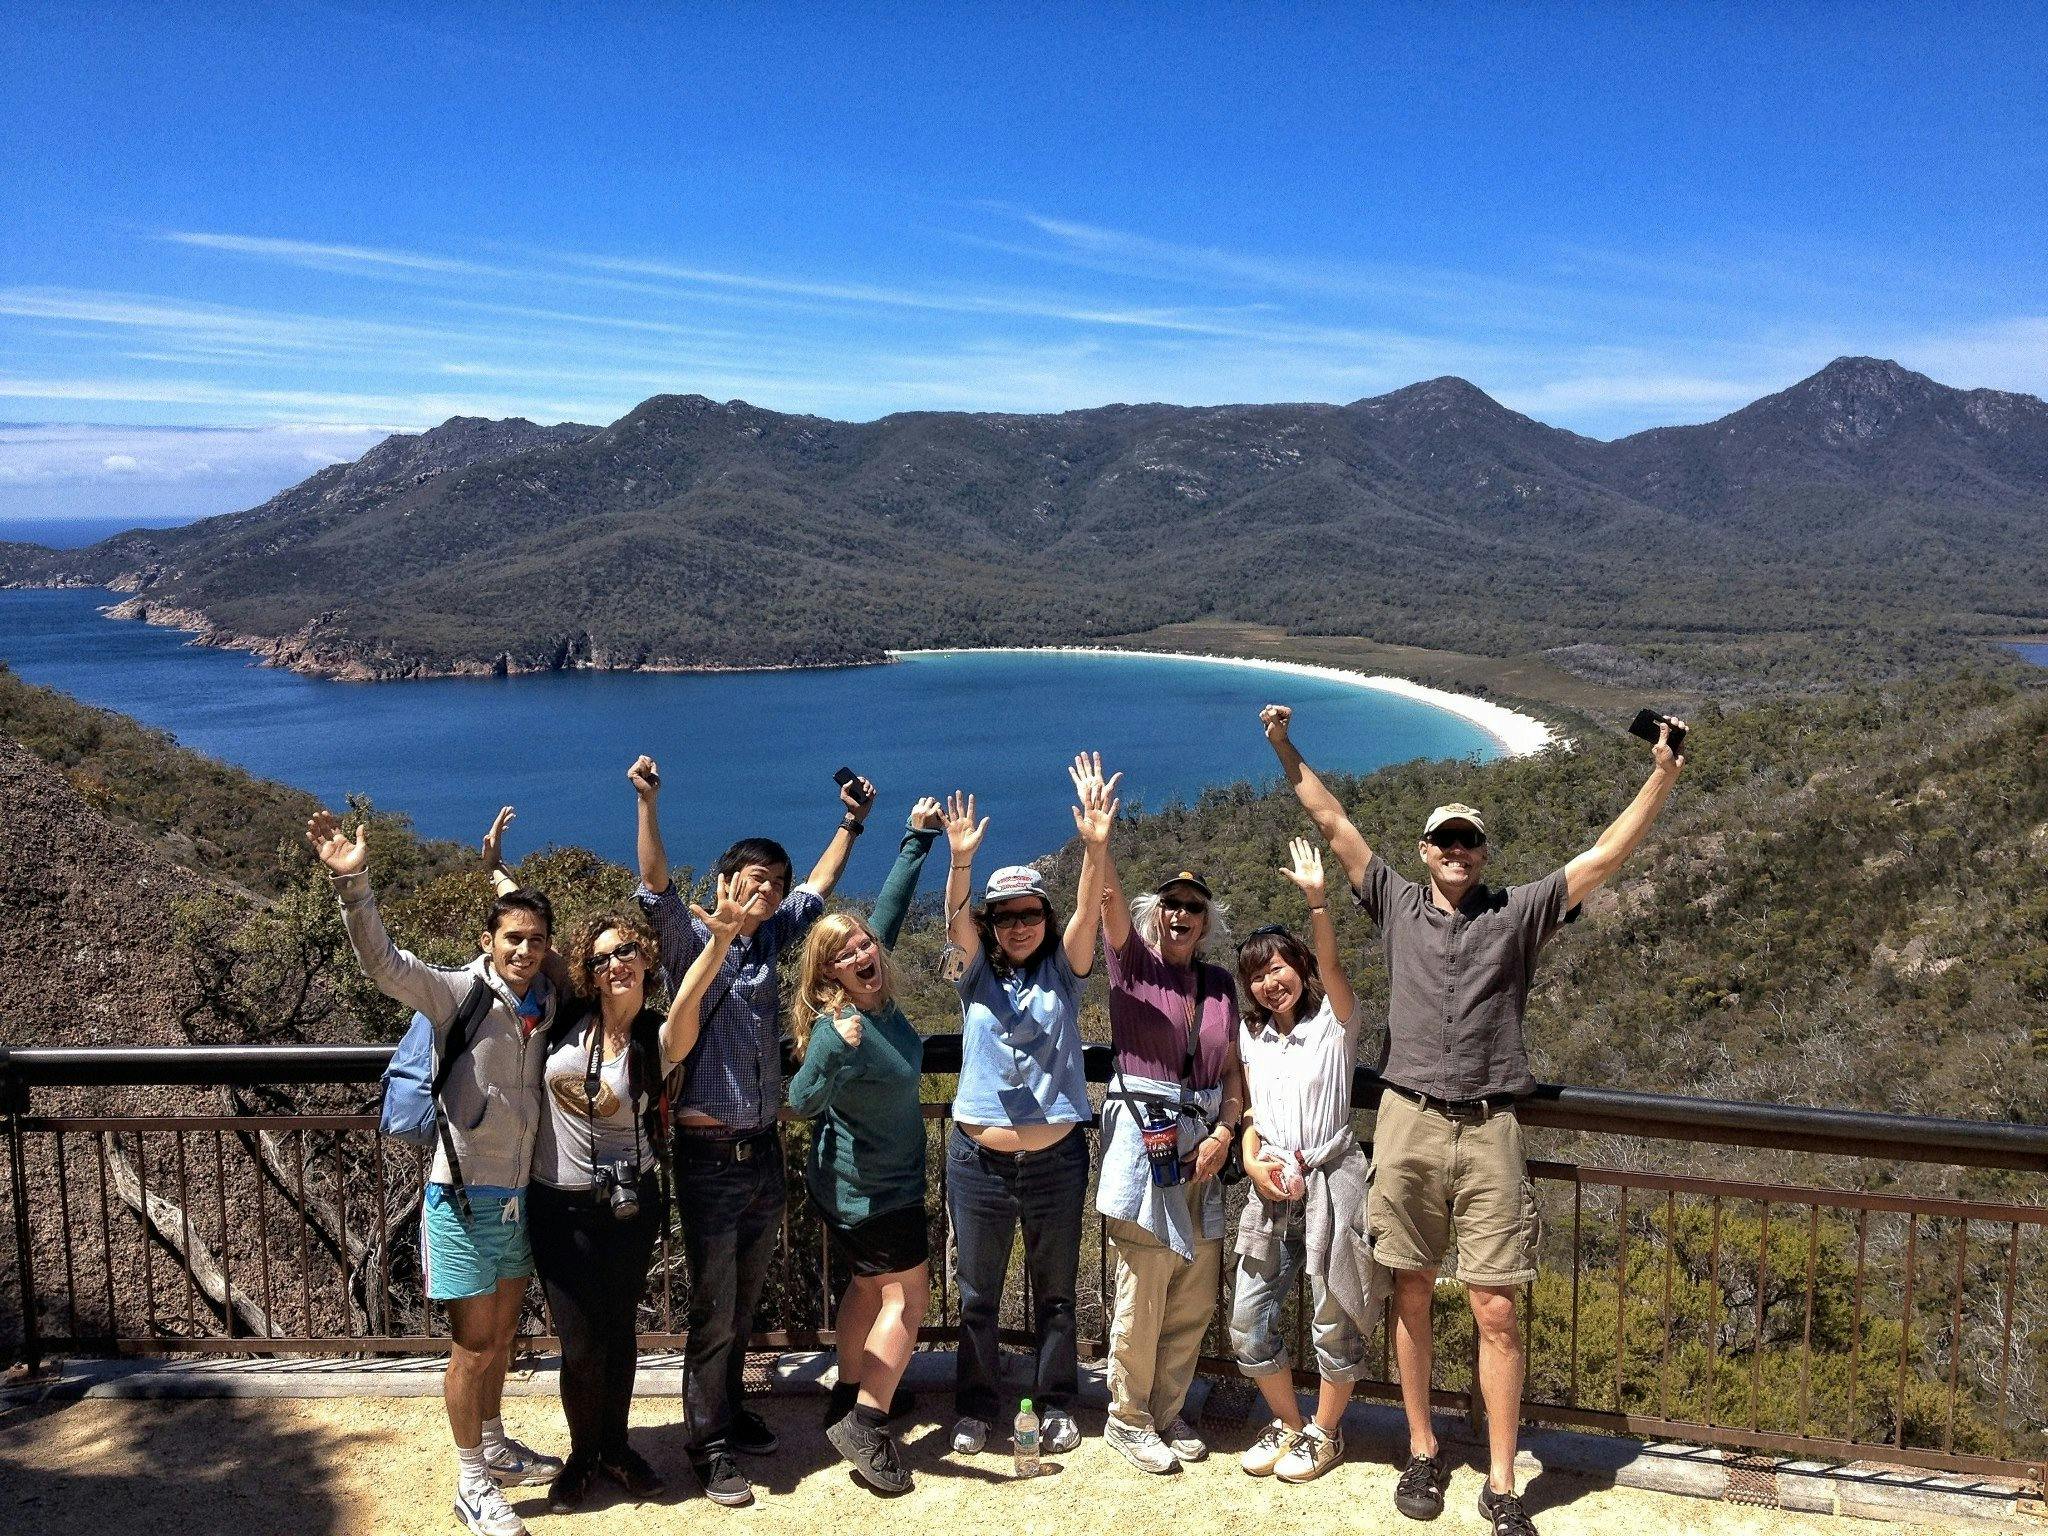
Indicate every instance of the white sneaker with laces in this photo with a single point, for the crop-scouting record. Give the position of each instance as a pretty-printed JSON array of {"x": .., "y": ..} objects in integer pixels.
[
  {"x": 1273, "y": 1443},
  {"x": 970, "y": 1436},
  {"x": 1142, "y": 1448},
  {"x": 511, "y": 1464},
  {"x": 482, "y": 1508},
  {"x": 1185, "y": 1444},
  {"x": 1058, "y": 1433},
  {"x": 1313, "y": 1453}
]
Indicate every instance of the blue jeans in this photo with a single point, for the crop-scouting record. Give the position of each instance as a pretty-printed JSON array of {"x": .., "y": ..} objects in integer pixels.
[
  {"x": 731, "y": 1217},
  {"x": 988, "y": 1194},
  {"x": 1256, "y": 1298}
]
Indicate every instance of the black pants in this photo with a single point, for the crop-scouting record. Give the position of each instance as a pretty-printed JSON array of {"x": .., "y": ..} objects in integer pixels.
[
  {"x": 732, "y": 1219},
  {"x": 594, "y": 1267}
]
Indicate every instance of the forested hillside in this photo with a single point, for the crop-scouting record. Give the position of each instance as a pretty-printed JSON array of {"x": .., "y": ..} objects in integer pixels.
[{"x": 1861, "y": 523}]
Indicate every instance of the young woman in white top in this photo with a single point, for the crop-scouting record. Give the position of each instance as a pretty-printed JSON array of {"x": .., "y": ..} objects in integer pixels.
[{"x": 1297, "y": 1038}]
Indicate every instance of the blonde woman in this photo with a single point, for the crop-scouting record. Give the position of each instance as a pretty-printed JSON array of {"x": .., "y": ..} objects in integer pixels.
[{"x": 859, "y": 1079}]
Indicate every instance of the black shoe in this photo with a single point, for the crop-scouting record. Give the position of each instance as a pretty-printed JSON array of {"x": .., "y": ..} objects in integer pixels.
[
  {"x": 1505, "y": 1511},
  {"x": 629, "y": 1469},
  {"x": 723, "y": 1482},
  {"x": 1420, "y": 1493},
  {"x": 571, "y": 1487},
  {"x": 872, "y": 1453},
  {"x": 750, "y": 1434}
]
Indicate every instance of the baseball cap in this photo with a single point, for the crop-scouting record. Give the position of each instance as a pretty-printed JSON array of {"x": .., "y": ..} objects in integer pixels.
[
  {"x": 1011, "y": 881},
  {"x": 1185, "y": 877},
  {"x": 1454, "y": 812}
]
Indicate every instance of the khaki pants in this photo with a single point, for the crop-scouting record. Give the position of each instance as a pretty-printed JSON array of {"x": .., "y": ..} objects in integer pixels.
[{"x": 1163, "y": 1307}]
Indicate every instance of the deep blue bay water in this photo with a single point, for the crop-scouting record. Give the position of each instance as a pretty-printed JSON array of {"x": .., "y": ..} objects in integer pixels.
[
  {"x": 739, "y": 752},
  {"x": 2037, "y": 654}
]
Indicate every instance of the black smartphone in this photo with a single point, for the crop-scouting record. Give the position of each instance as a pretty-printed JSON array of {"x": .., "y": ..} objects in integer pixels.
[
  {"x": 845, "y": 778},
  {"x": 1645, "y": 725}
]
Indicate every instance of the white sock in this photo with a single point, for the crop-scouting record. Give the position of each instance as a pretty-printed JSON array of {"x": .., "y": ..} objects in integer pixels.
[
  {"x": 494, "y": 1434},
  {"x": 472, "y": 1462}
]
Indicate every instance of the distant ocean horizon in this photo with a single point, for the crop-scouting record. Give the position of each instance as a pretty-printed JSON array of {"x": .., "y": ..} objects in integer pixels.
[{"x": 76, "y": 532}]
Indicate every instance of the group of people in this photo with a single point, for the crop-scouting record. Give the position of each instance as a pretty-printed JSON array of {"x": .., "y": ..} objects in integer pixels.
[{"x": 578, "y": 1108}]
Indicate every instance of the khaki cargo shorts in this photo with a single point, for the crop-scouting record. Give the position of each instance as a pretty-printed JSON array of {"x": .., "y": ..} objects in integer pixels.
[{"x": 1435, "y": 1178}]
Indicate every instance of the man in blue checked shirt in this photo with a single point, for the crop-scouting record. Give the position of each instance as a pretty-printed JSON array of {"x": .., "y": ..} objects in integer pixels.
[{"x": 728, "y": 1151}]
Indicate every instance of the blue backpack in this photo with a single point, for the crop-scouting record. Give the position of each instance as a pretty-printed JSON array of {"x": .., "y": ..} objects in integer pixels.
[{"x": 414, "y": 1081}]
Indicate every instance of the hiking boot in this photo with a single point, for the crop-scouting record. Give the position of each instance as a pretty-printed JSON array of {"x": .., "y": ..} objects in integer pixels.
[
  {"x": 482, "y": 1508},
  {"x": 513, "y": 1465},
  {"x": 1185, "y": 1444},
  {"x": 872, "y": 1453},
  {"x": 1266, "y": 1451},
  {"x": 970, "y": 1437},
  {"x": 1420, "y": 1493},
  {"x": 629, "y": 1469},
  {"x": 1313, "y": 1453},
  {"x": 1505, "y": 1511},
  {"x": 571, "y": 1487},
  {"x": 1142, "y": 1448},
  {"x": 722, "y": 1479},
  {"x": 750, "y": 1434},
  {"x": 1058, "y": 1433}
]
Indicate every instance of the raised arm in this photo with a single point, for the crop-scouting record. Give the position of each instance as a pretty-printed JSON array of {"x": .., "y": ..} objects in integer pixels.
[
  {"x": 1306, "y": 871},
  {"x": 892, "y": 902},
  {"x": 554, "y": 965},
  {"x": 1116, "y": 911},
  {"x": 645, "y": 778},
  {"x": 1353, "y": 853},
  {"x": 1596, "y": 866},
  {"x": 1094, "y": 816},
  {"x": 963, "y": 836},
  {"x": 395, "y": 972},
  {"x": 685, "y": 1019},
  {"x": 858, "y": 798}
]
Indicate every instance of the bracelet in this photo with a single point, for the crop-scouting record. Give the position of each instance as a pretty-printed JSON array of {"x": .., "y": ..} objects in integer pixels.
[
  {"x": 852, "y": 824},
  {"x": 1323, "y": 908}
]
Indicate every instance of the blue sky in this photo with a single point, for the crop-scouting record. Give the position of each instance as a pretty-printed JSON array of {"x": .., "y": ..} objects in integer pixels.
[{"x": 301, "y": 226}]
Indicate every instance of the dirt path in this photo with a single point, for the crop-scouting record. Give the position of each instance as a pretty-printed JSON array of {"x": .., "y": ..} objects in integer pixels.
[{"x": 309, "y": 1467}]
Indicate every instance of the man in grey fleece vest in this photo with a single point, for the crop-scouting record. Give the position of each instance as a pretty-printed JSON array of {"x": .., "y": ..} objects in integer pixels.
[{"x": 474, "y": 1252}]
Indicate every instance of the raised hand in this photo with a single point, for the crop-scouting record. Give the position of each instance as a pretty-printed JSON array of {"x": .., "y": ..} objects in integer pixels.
[
  {"x": 645, "y": 777},
  {"x": 494, "y": 840},
  {"x": 1273, "y": 719},
  {"x": 847, "y": 1022},
  {"x": 1661, "y": 754},
  {"x": 1096, "y": 813},
  {"x": 1306, "y": 870},
  {"x": 333, "y": 847},
  {"x": 858, "y": 798},
  {"x": 927, "y": 815},
  {"x": 729, "y": 906},
  {"x": 962, "y": 830}
]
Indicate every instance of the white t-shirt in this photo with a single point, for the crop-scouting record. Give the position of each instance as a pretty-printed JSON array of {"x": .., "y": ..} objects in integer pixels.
[
  {"x": 1299, "y": 1080},
  {"x": 563, "y": 1152}
]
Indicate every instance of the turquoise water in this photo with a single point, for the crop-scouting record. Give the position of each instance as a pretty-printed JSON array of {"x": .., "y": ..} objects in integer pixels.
[{"x": 739, "y": 752}]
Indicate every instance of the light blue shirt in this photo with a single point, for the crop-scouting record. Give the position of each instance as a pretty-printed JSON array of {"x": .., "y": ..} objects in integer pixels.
[{"x": 1020, "y": 1045}]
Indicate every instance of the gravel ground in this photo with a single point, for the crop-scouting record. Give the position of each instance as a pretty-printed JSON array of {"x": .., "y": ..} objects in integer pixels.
[{"x": 122, "y": 1467}]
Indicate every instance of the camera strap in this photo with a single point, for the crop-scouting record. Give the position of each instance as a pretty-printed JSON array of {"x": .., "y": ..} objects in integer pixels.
[{"x": 593, "y": 1080}]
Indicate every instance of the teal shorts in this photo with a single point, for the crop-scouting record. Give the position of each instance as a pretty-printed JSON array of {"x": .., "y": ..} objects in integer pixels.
[{"x": 468, "y": 1258}]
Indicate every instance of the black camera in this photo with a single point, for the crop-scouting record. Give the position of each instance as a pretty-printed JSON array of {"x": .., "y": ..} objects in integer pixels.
[{"x": 618, "y": 1186}]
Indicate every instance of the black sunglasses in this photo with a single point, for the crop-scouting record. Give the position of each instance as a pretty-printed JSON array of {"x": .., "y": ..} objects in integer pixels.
[
  {"x": 1271, "y": 930},
  {"x": 1182, "y": 904},
  {"x": 1016, "y": 919},
  {"x": 1457, "y": 837},
  {"x": 626, "y": 951}
]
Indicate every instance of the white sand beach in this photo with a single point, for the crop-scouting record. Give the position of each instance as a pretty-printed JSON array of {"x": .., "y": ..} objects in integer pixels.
[{"x": 1519, "y": 735}]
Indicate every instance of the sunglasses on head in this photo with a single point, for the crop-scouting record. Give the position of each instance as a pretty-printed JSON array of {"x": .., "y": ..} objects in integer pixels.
[
  {"x": 1192, "y": 906},
  {"x": 1457, "y": 837},
  {"x": 626, "y": 951},
  {"x": 1270, "y": 931}
]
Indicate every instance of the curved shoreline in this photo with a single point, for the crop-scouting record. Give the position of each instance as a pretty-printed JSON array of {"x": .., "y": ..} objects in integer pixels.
[{"x": 1518, "y": 734}]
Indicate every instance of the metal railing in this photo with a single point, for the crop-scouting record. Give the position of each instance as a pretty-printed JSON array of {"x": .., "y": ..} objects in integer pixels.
[{"x": 1780, "y": 1318}]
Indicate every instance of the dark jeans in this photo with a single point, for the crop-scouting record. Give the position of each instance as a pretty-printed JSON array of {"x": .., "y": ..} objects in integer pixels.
[
  {"x": 987, "y": 1195},
  {"x": 731, "y": 1216},
  {"x": 594, "y": 1267}
]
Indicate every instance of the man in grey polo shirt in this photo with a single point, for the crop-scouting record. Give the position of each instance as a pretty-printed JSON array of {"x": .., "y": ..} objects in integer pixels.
[{"x": 1447, "y": 1146}]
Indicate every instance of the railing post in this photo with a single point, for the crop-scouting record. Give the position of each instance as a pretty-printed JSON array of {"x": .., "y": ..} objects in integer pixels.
[{"x": 13, "y": 1105}]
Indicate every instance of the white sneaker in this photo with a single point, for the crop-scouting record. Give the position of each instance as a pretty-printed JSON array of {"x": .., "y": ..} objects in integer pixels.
[
  {"x": 1185, "y": 1444},
  {"x": 1058, "y": 1433},
  {"x": 1312, "y": 1454},
  {"x": 1142, "y": 1448},
  {"x": 969, "y": 1437},
  {"x": 511, "y": 1464},
  {"x": 482, "y": 1508},
  {"x": 1266, "y": 1452}
]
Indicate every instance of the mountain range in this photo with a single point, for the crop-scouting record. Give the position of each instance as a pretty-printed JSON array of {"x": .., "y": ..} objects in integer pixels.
[{"x": 1866, "y": 509}]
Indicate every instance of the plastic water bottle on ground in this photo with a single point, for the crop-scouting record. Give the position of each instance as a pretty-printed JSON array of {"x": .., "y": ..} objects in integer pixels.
[{"x": 1024, "y": 1437}]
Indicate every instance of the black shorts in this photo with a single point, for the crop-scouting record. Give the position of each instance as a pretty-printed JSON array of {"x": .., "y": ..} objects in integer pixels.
[{"x": 882, "y": 1245}]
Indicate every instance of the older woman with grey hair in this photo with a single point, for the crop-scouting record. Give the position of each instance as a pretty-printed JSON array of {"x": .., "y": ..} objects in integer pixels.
[{"x": 1174, "y": 1105}]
